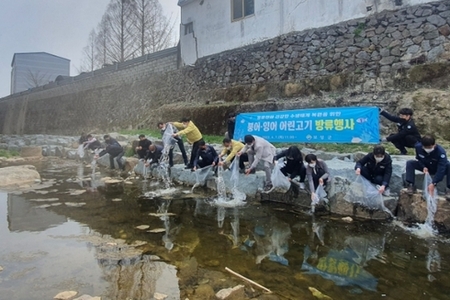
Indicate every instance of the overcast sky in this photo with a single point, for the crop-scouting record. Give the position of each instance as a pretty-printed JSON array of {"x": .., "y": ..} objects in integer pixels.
[{"x": 59, "y": 27}]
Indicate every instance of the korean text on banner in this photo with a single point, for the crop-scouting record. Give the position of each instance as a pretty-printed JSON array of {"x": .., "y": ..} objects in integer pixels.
[{"x": 321, "y": 125}]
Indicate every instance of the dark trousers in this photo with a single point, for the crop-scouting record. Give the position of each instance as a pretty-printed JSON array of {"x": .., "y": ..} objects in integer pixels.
[
  {"x": 316, "y": 181},
  {"x": 182, "y": 150},
  {"x": 141, "y": 153},
  {"x": 401, "y": 144},
  {"x": 118, "y": 157},
  {"x": 302, "y": 172},
  {"x": 412, "y": 165},
  {"x": 243, "y": 158},
  {"x": 204, "y": 163},
  {"x": 378, "y": 179},
  {"x": 195, "y": 147}
]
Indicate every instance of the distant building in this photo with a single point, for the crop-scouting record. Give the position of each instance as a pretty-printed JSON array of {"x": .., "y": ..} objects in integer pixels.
[{"x": 34, "y": 69}]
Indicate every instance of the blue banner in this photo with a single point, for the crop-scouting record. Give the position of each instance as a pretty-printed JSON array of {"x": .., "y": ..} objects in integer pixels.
[{"x": 320, "y": 125}]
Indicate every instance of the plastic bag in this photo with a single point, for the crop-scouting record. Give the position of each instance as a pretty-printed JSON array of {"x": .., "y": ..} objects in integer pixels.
[
  {"x": 279, "y": 181},
  {"x": 201, "y": 174},
  {"x": 168, "y": 140},
  {"x": 319, "y": 194},
  {"x": 80, "y": 151},
  {"x": 363, "y": 192},
  {"x": 238, "y": 196},
  {"x": 430, "y": 198}
]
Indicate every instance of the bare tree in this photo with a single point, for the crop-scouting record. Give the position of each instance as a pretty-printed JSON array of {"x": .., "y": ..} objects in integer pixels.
[
  {"x": 37, "y": 78},
  {"x": 121, "y": 40},
  {"x": 101, "y": 43},
  {"x": 153, "y": 29},
  {"x": 89, "y": 62}
]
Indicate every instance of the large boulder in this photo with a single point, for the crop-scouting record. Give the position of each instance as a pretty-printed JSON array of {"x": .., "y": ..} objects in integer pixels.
[
  {"x": 413, "y": 209},
  {"x": 18, "y": 176}
]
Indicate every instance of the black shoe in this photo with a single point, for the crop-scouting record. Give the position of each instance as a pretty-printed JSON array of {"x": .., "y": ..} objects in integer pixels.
[
  {"x": 268, "y": 188},
  {"x": 411, "y": 189}
]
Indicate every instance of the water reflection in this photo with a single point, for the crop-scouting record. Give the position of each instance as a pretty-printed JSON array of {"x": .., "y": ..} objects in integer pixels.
[
  {"x": 23, "y": 215},
  {"x": 433, "y": 262}
]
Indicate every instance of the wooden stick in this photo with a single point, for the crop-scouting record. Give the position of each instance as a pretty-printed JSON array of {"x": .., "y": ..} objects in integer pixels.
[{"x": 248, "y": 280}]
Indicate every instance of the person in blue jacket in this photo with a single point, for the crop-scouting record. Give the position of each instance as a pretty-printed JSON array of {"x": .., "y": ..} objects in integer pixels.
[
  {"x": 377, "y": 168},
  {"x": 408, "y": 134},
  {"x": 206, "y": 156},
  {"x": 430, "y": 158}
]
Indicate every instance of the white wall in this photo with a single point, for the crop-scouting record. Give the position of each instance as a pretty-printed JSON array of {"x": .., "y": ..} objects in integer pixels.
[{"x": 214, "y": 31}]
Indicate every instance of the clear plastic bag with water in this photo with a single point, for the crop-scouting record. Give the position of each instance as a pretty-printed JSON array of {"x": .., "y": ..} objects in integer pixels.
[
  {"x": 238, "y": 196},
  {"x": 363, "y": 192},
  {"x": 279, "y": 181},
  {"x": 80, "y": 151},
  {"x": 168, "y": 140},
  {"x": 319, "y": 194},
  {"x": 431, "y": 199}
]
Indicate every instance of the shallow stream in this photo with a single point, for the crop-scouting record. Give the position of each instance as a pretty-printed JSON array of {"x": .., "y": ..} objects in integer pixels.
[{"x": 74, "y": 235}]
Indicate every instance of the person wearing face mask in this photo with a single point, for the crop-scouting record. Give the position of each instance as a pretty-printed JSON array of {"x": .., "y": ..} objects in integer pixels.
[
  {"x": 153, "y": 155},
  {"x": 206, "y": 156},
  {"x": 193, "y": 136},
  {"x": 230, "y": 149},
  {"x": 259, "y": 149},
  {"x": 430, "y": 158},
  {"x": 163, "y": 126},
  {"x": 408, "y": 135},
  {"x": 377, "y": 168},
  {"x": 294, "y": 165},
  {"x": 316, "y": 172}
]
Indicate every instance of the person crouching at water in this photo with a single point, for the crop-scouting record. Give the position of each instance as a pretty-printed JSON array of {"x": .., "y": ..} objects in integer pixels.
[
  {"x": 294, "y": 164},
  {"x": 316, "y": 172}
]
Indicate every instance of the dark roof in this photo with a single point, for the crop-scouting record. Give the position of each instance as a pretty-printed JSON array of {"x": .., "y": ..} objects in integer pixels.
[
  {"x": 184, "y": 2},
  {"x": 14, "y": 56}
]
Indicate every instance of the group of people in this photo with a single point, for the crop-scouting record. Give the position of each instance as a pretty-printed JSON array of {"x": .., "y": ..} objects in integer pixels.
[
  {"x": 111, "y": 147},
  {"x": 375, "y": 166},
  {"x": 430, "y": 157}
]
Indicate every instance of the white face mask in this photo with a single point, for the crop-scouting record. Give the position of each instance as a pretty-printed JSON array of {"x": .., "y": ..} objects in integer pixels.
[
  {"x": 312, "y": 165},
  {"x": 378, "y": 159},
  {"x": 428, "y": 150}
]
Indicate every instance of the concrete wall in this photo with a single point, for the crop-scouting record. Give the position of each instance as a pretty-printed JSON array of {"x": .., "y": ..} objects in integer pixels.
[
  {"x": 365, "y": 61},
  {"x": 214, "y": 31}
]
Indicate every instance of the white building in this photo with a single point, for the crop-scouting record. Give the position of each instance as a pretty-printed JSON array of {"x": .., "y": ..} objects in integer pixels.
[
  {"x": 213, "y": 26},
  {"x": 34, "y": 69}
]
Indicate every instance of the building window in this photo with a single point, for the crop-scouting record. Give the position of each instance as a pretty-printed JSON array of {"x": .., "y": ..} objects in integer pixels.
[
  {"x": 242, "y": 8},
  {"x": 188, "y": 28}
]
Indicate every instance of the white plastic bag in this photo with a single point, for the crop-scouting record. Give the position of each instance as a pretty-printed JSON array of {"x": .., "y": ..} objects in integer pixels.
[
  {"x": 318, "y": 195},
  {"x": 363, "y": 192},
  {"x": 430, "y": 198},
  {"x": 80, "y": 151},
  {"x": 168, "y": 140},
  {"x": 279, "y": 181}
]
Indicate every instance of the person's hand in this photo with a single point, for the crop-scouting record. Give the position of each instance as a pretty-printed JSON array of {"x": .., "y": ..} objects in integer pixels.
[
  {"x": 289, "y": 178},
  {"x": 213, "y": 164},
  {"x": 238, "y": 154},
  {"x": 96, "y": 156},
  {"x": 248, "y": 171},
  {"x": 320, "y": 181},
  {"x": 220, "y": 163},
  {"x": 147, "y": 164},
  {"x": 175, "y": 135},
  {"x": 425, "y": 170},
  {"x": 358, "y": 171},
  {"x": 431, "y": 188},
  {"x": 382, "y": 189}
]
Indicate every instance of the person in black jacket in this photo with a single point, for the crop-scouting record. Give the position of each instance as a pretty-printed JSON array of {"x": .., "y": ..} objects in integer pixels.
[
  {"x": 231, "y": 123},
  {"x": 153, "y": 155},
  {"x": 142, "y": 147},
  {"x": 430, "y": 158},
  {"x": 408, "y": 134},
  {"x": 206, "y": 155},
  {"x": 115, "y": 151},
  {"x": 377, "y": 168},
  {"x": 294, "y": 164}
]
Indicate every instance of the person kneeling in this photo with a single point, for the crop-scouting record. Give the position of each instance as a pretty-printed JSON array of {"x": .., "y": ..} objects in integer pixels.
[
  {"x": 206, "y": 156},
  {"x": 430, "y": 158},
  {"x": 317, "y": 173},
  {"x": 377, "y": 168},
  {"x": 153, "y": 155}
]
